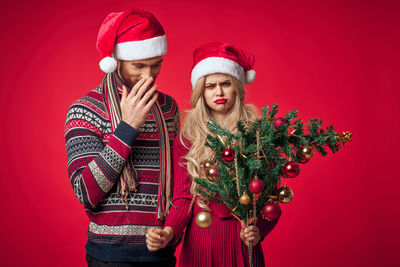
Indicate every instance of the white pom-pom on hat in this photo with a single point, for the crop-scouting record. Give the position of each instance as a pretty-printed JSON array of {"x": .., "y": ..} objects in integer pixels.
[
  {"x": 108, "y": 64},
  {"x": 250, "y": 76}
]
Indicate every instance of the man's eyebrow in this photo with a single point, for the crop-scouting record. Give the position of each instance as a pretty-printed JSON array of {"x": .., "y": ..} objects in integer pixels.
[{"x": 161, "y": 60}]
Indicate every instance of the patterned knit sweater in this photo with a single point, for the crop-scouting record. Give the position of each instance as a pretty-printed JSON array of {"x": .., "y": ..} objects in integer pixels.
[{"x": 96, "y": 158}]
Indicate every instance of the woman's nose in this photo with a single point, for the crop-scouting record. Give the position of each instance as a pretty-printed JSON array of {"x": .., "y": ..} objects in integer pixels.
[{"x": 219, "y": 90}]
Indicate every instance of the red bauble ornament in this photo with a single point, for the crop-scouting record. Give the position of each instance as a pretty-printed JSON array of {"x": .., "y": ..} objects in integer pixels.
[
  {"x": 291, "y": 169},
  {"x": 228, "y": 154},
  {"x": 256, "y": 186},
  {"x": 278, "y": 122},
  {"x": 271, "y": 211}
]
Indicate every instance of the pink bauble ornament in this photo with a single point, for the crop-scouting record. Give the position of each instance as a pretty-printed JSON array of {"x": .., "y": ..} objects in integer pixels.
[
  {"x": 271, "y": 211},
  {"x": 256, "y": 186},
  {"x": 278, "y": 122},
  {"x": 228, "y": 154},
  {"x": 291, "y": 169}
]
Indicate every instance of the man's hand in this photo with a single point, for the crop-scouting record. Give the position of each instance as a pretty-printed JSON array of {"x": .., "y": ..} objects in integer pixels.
[
  {"x": 136, "y": 105},
  {"x": 251, "y": 233},
  {"x": 158, "y": 238}
]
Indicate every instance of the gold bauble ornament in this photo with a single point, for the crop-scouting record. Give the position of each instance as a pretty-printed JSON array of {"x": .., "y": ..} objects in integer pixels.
[
  {"x": 203, "y": 219},
  {"x": 212, "y": 174},
  {"x": 244, "y": 199},
  {"x": 307, "y": 152},
  {"x": 285, "y": 194}
]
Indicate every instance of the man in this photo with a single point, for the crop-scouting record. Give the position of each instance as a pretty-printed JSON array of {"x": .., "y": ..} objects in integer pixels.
[{"x": 118, "y": 141}]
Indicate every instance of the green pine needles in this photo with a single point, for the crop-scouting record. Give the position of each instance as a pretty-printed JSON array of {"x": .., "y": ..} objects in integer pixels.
[{"x": 263, "y": 149}]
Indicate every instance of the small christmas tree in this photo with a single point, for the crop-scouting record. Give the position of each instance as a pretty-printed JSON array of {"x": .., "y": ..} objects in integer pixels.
[{"x": 245, "y": 173}]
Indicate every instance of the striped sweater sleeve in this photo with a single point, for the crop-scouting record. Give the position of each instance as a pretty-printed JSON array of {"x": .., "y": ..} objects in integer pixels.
[
  {"x": 94, "y": 167},
  {"x": 179, "y": 215}
]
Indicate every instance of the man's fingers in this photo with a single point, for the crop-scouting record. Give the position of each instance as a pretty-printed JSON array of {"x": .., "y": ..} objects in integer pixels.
[
  {"x": 144, "y": 87},
  {"x": 149, "y": 94},
  {"x": 151, "y": 102},
  {"x": 124, "y": 92},
  {"x": 136, "y": 88}
]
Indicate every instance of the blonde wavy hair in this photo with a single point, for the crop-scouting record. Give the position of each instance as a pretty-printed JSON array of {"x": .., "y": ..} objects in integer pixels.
[{"x": 195, "y": 129}]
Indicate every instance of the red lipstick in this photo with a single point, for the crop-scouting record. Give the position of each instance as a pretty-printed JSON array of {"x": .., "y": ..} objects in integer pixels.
[{"x": 220, "y": 101}]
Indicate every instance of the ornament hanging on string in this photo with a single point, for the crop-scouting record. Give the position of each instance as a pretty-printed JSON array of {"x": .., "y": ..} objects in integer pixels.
[
  {"x": 203, "y": 219},
  {"x": 228, "y": 154},
  {"x": 271, "y": 211},
  {"x": 256, "y": 186},
  {"x": 285, "y": 194},
  {"x": 245, "y": 199},
  {"x": 291, "y": 169}
]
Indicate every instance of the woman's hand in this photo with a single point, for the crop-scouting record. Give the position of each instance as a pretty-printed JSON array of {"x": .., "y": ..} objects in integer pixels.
[
  {"x": 250, "y": 234},
  {"x": 158, "y": 238}
]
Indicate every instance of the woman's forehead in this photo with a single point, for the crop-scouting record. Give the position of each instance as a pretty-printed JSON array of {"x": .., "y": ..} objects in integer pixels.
[{"x": 217, "y": 77}]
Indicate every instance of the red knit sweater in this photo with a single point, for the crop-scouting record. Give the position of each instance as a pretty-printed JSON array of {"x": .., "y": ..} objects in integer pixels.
[{"x": 96, "y": 157}]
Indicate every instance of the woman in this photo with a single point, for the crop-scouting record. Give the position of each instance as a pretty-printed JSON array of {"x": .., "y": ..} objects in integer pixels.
[{"x": 218, "y": 76}]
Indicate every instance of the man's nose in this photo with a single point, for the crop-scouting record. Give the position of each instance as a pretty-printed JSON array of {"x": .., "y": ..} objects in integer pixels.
[{"x": 146, "y": 73}]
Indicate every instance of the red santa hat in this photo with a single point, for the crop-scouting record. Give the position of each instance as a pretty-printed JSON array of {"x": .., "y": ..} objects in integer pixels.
[
  {"x": 222, "y": 58},
  {"x": 129, "y": 35}
]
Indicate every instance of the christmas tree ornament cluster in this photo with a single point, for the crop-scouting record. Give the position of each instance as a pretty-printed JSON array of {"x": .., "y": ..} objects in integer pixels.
[{"x": 253, "y": 161}]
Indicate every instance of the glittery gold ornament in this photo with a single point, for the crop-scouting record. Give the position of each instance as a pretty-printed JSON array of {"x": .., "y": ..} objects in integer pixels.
[
  {"x": 244, "y": 199},
  {"x": 307, "y": 152},
  {"x": 203, "y": 219},
  {"x": 347, "y": 137},
  {"x": 285, "y": 194}
]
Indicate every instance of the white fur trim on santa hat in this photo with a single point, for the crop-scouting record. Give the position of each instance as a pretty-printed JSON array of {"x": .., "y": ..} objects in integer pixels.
[
  {"x": 138, "y": 50},
  {"x": 108, "y": 64},
  {"x": 250, "y": 76},
  {"x": 212, "y": 65}
]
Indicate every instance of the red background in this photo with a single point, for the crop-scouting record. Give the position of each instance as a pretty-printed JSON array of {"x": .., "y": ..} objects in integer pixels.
[{"x": 334, "y": 60}]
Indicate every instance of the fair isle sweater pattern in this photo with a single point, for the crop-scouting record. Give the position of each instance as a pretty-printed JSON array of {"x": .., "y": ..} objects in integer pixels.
[{"x": 96, "y": 157}]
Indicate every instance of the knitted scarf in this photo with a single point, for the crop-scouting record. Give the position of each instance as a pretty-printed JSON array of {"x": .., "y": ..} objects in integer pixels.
[{"x": 128, "y": 180}]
